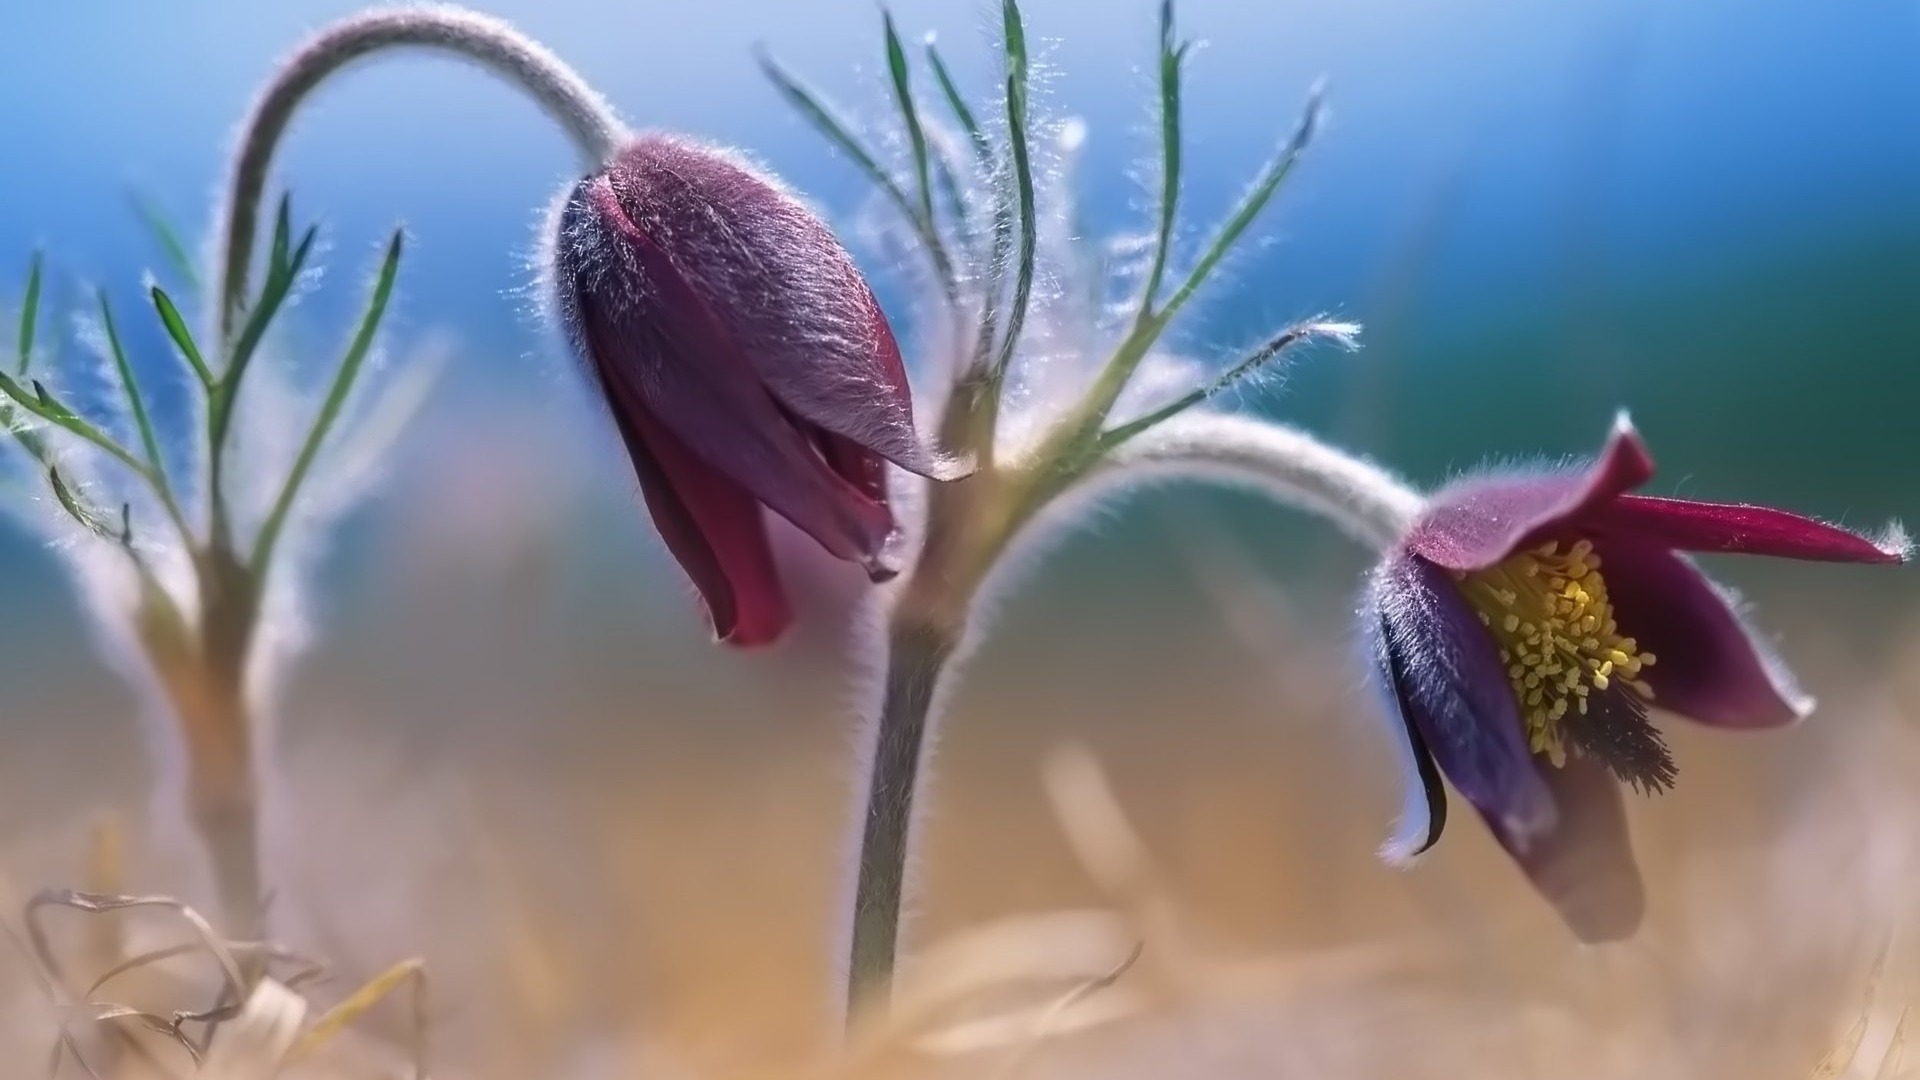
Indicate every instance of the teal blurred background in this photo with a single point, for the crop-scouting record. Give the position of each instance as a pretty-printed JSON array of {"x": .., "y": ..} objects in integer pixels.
[{"x": 1707, "y": 212}]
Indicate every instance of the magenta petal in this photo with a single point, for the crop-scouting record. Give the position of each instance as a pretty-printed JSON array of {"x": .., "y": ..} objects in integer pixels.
[
  {"x": 671, "y": 352},
  {"x": 1444, "y": 672},
  {"x": 1476, "y": 522},
  {"x": 1740, "y": 529},
  {"x": 797, "y": 309},
  {"x": 1708, "y": 665},
  {"x": 714, "y": 530},
  {"x": 1584, "y": 865}
]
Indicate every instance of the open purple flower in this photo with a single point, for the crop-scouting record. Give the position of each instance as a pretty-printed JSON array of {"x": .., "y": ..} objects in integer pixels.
[
  {"x": 746, "y": 364},
  {"x": 1525, "y": 626}
]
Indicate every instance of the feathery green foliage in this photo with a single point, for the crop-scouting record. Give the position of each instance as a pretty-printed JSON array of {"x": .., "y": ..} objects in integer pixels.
[{"x": 343, "y": 381}]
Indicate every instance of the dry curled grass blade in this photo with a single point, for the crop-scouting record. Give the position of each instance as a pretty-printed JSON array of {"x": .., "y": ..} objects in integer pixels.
[
  {"x": 408, "y": 973},
  {"x": 263, "y": 1028},
  {"x": 975, "y": 991},
  {"x": 99, "y": 904},
  {"x": 258, "y": 1044},
  {"x": 306, "y": 970}
]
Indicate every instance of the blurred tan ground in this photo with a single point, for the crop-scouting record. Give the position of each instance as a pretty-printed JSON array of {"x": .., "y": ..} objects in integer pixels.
[{"x": 615, "y": 845}]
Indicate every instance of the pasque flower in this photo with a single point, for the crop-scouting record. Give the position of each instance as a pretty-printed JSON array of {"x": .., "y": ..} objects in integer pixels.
[
  {"x": 1526, "y": 625},
  {"x": 746, "y": 364}
]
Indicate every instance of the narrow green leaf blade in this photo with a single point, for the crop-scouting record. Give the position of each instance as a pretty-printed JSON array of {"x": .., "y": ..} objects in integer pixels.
[
  {"x": 76, "y": 508},
  {"x": 816, "y": 112},
  {"x": 282, "y": 234},
  {"x": 272, "y": 295},
  {"x": 30, "y": 314},
  {"x": 343, "y": 381},
  {"x": 136, "y": 402},
  {"x": 909, "y": 114},
  {"x": 1016, "y": 51},
  {"x": 182, "y": 337},
  {"x": 957, "y": 103},
  {"x": 1001, "y": 182},
  {"x": 1171, "y": 53},
  {"x": 824, "y": 120},
  {"x": 1251, "y": 204},
  {"x": 1255, "y": 361},
  {"x": 1016, "y": 41}
]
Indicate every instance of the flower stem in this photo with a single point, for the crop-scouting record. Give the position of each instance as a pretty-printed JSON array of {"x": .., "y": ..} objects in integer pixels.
[
  {"x": 917, "y": 656},
  {"x": 971, "y": 527},
  {"x": 488, "y": 42},
  {"x": 202, "y": 676}
]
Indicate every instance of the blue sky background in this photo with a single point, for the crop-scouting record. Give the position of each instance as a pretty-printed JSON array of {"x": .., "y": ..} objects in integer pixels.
[
  {"x": 1596, "y": 142},
  {"x": 1706, "y": 211}
]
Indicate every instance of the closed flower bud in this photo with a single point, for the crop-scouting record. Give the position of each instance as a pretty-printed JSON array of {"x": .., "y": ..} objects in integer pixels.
[{"x": 746, "y": 364}]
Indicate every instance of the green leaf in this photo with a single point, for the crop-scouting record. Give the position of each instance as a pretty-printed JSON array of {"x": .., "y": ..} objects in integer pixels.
[
  {"x": 30, "y": 314},
  {"x": 954, "y": 195},
  {"x": 837, "y": 132},
  {"x": 1171, "y": 55},
  {"x": 982, "y": 146},
  {"x": 136, "y": 403},
  {"x": 76, "y": 508},
  {"x": 1002, "y": 182},
  {"x": 336, "y": 398},
  {"x": 280, "y": 281},
  {"x": 182, "y": 337},
  {"x": 909, "y": 115},
  {"x": 984, "y": 169},
  {"x": 816, "y": 112},
  {"x": 43, "y": 404},
  {"x": 1250, "y": 205},
  {"x": 29, "y": 439},
  {"x": 1126, "y": 359},
  {"x": 1254, "y": 361},
  {"x": 49, "y": 408},
  {"x": 168, "y": 238},
  {"x": 1016, "y": 49},
  {"x": 283, "y": 270},
  {"x": 282, "y": 231}
]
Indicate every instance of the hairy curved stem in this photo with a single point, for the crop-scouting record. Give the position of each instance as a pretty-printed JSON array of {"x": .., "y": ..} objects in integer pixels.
[
  {"x": 488, "y": 42},
  {"x": 971, "y": 527},
  {"x": 1286, "y": 464},
  {"x": 203, "y": 668}
]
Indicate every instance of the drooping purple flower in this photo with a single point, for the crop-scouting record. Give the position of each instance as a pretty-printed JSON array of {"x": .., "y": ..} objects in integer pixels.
[
  {"x": 1526, "y": 625},
  {"x": 746, "y": 364}
]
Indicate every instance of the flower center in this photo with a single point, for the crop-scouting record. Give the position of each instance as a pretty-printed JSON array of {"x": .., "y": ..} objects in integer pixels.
[{"x": 1548, "y": 610}]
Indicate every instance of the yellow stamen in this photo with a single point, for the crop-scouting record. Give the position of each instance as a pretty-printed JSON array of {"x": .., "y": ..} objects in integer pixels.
[{"x": 1548, "y": 610}]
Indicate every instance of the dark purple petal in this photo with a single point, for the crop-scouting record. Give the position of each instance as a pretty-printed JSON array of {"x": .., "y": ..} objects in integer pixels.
[
  {"x": 1474, "y": 523},
  {"x": 657, "y": 343},
  {"x": 1423, "y": 814},
  {"x": 1708, "y": 666},
  {"x": 714, "y": 530},
  {"x": 795, "y": 306},
  {"x": 1742, "y": 529},
  {"x": 857, "y": 465},
  {"x": 1445, "y": 673},
  {"x": 1583, "y": 865}
]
